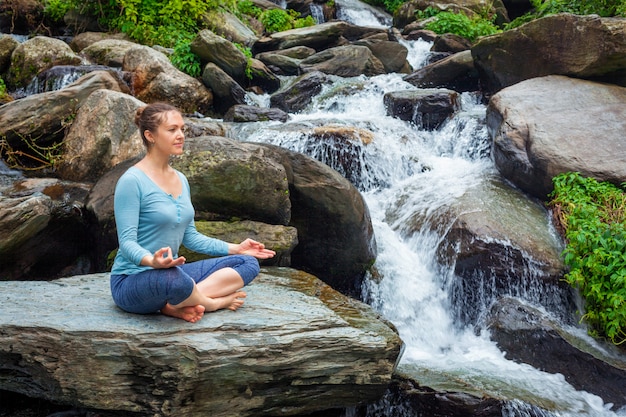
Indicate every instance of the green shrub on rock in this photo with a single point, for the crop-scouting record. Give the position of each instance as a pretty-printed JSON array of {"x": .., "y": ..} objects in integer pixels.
[
  {"x": 458, "y": 23},
  {"x": 592, "y": 215}
]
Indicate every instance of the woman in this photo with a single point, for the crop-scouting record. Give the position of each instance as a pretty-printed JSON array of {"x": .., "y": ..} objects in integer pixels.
[{"x": 154, "y": 216}]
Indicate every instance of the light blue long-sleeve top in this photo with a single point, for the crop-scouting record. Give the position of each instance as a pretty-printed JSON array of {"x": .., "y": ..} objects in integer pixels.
[{"x": 149, "y": 219}]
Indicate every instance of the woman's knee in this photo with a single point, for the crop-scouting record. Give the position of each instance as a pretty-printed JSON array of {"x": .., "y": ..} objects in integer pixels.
[{"x": 248, "y": 269}]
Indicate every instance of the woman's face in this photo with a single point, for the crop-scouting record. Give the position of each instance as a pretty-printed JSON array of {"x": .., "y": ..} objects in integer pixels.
[{"x": 170, "y": 136}]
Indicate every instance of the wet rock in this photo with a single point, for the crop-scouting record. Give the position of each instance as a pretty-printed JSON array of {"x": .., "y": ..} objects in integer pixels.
[
  {"x": 7, "y": 46},
  {"x": 295, "y": 345},
  {"x": 549, "y": 125},
  {"x": 589, "y": 47},
  {"x": 427, "y": 108},
  {"x": 109, "y": 52},
  {"x": 42, "y": 118},
  {"x": 296, "y": 96},
  {"x": 226, "y": 91},
  {"x": 156, "y": 79},
  {"x": 213, "y": 48},
  {"x": 102, "y": 135},
  {"x": 244, "y": 113},
  {"x": 455, "y": 72},
  {"x": 43, "y": 229},
  {"x": 37, "y": 54},
  {"x": 391, "y": 54},
  {"x": 262, "y": 77},
  {"x": 528, "y": 335},
  {"x": 495, "y": 232},
  {"x": 344, "y": 61}
]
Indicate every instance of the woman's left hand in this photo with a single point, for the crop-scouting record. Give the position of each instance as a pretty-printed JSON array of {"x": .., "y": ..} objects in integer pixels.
[{"x": 254, "y": 248}]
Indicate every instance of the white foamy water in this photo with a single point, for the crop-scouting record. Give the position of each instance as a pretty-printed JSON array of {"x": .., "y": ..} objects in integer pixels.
[{"x": 408, "y": 177}]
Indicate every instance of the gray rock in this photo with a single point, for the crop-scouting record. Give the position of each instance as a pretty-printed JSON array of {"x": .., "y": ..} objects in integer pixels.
[
  {"x": 296, "y": 96},
  {"x": 427, "y": 108},
  {"x": 108, "y": 51},
  {"x": 43, "y": 233},
  {"x": 41, "y": 118},
  {"x": 391, "y": 54},
  {"x": 549, "y": 125},
  {"x": 344, "y": 61},
  {"x": 102, "y": 135},
  {"x": 228, "y": 26},
  {"x": 530, "y": 336},
  {"x": 156, "y": 79},
  {"x": 280, "y": 63},
  {"x": 295, "y": 345},
  {"x": 37, "y": 54},
  {"x": 226, "y": 91},
  {"x": 213, "y": 48},
  {"x": 456, "y": 72},
  {"x": 491, "y": 233},
  {"x": 7, "y": 46},
  {"x": 244, "y": 113},
  {"x": 588, "y": 47}
]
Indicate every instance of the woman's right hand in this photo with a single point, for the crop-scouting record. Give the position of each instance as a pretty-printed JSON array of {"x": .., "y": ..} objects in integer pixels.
[{"x": 162, "y": 258}]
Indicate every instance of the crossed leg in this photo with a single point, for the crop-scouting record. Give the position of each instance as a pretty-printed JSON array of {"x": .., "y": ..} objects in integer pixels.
[{"x": 219, "y": 290}]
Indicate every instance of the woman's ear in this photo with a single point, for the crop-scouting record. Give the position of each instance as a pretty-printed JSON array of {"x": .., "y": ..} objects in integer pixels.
[{"x": 148, "y": 135}]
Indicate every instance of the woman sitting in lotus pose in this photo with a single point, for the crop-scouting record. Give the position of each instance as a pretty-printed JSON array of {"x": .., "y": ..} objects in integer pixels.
[{"x": 154, "y": 216}]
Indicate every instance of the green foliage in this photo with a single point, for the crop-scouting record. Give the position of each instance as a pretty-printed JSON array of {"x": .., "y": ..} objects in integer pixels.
[
  {"x": 278, "y": 20},
  {"x": 248, "y": 53},
  {"x": 593, "y": 216},
  {"x": 184, "y": 59},
  {"x": 56, "y": 9},
  {"x": 247, "y": 7},
  {"x": 541, "y": 8},
  {"x": 389, "y": 5},
  {"x": 458, "y": 24}
]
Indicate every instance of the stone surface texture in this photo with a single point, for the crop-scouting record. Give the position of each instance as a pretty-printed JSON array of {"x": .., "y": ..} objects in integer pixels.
[{"x": 295, "y": 347}]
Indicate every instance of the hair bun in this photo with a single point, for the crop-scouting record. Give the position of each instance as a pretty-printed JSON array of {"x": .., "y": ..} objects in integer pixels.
[{"x": 138, "y": 114}]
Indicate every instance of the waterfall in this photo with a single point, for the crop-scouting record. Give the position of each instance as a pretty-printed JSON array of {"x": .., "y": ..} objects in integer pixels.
[
  {"x": 317, "y": 12},
  {"x": 361, "y": 14},
  {"x": 406, "y": 174}
]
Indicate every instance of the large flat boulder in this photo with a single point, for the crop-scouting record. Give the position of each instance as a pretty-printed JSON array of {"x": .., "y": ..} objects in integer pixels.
[
  {"x": 295, "y": 347},
  {"x": 549, "y": 125}
]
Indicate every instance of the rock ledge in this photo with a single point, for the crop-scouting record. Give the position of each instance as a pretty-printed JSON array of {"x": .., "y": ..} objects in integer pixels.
[{"x": 296, "y": 347}]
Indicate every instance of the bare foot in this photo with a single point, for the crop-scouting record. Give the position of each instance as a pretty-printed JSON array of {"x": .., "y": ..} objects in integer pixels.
[
  {"x": 232, "y": 301},
  {"x": 190, "y": 313}
]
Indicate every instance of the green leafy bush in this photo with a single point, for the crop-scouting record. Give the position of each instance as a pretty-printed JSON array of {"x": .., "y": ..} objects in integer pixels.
[
  {"x": 279, "y": 20},
  {"x": 247, "y": 7},
  {"x": 593, "y": 217},
  {"x": 184, "y": 59},
  {"x": 541, "y": 8},
  {"x": 458, "y": 24}
]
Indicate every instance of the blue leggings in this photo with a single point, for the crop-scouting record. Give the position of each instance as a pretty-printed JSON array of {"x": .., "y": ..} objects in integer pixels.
[{"x": 148, "y": 291}]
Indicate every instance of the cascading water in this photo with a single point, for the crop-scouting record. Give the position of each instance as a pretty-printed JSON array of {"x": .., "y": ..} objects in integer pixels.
[{"x": 404, "y": 174}]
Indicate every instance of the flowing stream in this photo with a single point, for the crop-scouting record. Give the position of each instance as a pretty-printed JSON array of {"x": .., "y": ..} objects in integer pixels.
[{"x": 405, "y": 174}]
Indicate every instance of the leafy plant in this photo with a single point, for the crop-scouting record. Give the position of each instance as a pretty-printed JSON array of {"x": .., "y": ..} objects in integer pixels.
[
  {"x": 458, "y": 24},
  {"x": 593, "y": 217},
  {"x": 541, "y": 8},
  {"x": 248, "y": 53},
  {"x": 184, "y": 59},
  {"x": 3, "y": 89},
  {"x": 279, "y": 20},
  {"x": 56, "y": 9},
  {"x": 247, "y": 7}
]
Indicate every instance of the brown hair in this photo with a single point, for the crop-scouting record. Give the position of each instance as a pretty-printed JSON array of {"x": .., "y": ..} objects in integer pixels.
[{"x": 150, "y": 116}]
